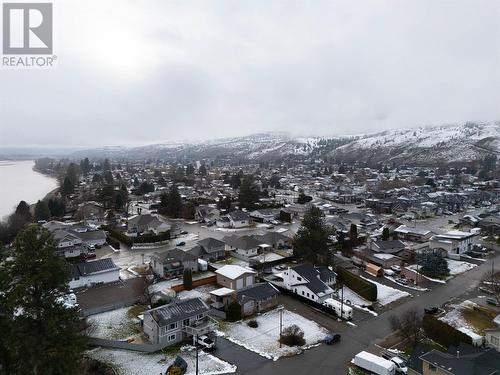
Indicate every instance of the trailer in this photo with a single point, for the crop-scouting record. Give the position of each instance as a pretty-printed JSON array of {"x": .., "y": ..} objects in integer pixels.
[
  {"x": 375, "y": 364},
  {"x": 339, "y": 307}
]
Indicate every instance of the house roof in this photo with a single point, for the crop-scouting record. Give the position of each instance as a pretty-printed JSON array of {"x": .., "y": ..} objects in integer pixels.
[
  {"x": 95, "y": 266},
  {"x": 312, "y": 275},
  {"x": 258, "y": 292},
  {"x": 211, "y": 244},
  {"x": 391, "y": 246},
  {"x": 239, "y": 216},
  {"x": 243, "y": 242},
  {"x": 177, "y": 311},
  {"x": 233, "y": 272},
  {"x": 174, "y": 255}
]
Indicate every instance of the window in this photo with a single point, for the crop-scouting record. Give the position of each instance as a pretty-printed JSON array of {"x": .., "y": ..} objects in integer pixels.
[
  {"x": 307, "y": 295},
  {"x": 171, "y": 337},
  {"x": 302, "y": 292},
  {"x": 172, "y": 326},
  {"x": 299, "y": 278},
  {"x": 494, "y": 340},
  {"x": 185, "y": 322},
  {"x": 200, "y": 316}
]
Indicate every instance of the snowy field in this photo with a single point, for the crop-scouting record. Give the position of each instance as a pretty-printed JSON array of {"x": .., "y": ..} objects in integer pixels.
[
  {"x": 387, "y": 294},
  {"x": 135, "y": 363},
  {"x": 202, "y": 292},
  {"x": 115, "y": 324},
  {"x": 264, "y": 339}
]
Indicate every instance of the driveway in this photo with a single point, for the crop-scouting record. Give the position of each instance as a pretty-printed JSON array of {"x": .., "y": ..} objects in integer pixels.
[{"x": 244, "y": 359}]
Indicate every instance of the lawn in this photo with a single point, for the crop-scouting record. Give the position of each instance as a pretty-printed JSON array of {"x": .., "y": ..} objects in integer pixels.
[{"x": 479, "y": 317}]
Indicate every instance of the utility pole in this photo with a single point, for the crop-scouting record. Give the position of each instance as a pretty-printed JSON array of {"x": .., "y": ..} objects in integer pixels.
[
  {"x": 281, "y": 322},
  {"x": 341, "y": 300},
  {"x": 196, "y": 345}
]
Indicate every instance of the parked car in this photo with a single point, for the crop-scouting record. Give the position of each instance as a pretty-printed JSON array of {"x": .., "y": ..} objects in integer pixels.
[
  {"x": 402, "y": 280},
  {"x": 184, "y": 232},
  {"x": 396, "y": 268},
  {"x": 492, "y": 301},
  {"x": 91, "y": 247},
  {"x": 206, "y": 343},
  {"x": 181, "y": 243},
  {"x": 89, "y": 256},
  {"x": 389, "y": 272},
  {"x": 332, "y": 338},
  {"x": 431, "y": 310}
]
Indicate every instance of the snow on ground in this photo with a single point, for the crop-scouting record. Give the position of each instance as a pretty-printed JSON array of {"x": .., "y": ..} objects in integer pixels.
[
  {"x": 136, "y": 363},
  {"x": 202, "y": 292},
  {"x": 414, "y": 267},
  {"x": 455, "y": 319},
  {"x": 409, "y": 285},
  {"x": 457, "y": 267},
  {"x": 355, "y": 300},
  {"x": 114, "y": 324},
  {"x": 387, "y": 294},
  {"x": 264, "y": 339}
]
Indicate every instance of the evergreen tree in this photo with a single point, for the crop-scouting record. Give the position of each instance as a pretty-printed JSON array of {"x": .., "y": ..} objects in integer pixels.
[
  {"x": 72, "y": 173},
  {"x": 97, "y": 178},
  {"x": 249, "y": 194},
  {"x": 85, "y": 166},
  {"x": 353, "y": 234},
  {"x": 106, "y": 165},
  {"x": 189, "y": 170},
  {"x": 187, "y": 279},
  {"x": 42, "y": 211},
  {"x": 435, "y": 265},
  {"x": 23, "y": 211},
  {"x": 311, "y": 241},
  {"x": 67, "y": 187},
  {"x": 385, "y": 234},
  {"x": 39, "y": 334},
  {"x": 171, "y": 202},
  {"x": 57, "y": 207},
  {"x": 202, "y": 170}
]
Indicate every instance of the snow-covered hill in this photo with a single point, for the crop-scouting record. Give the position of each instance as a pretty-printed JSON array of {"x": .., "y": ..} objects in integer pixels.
[{"x": 425, "y": 145}]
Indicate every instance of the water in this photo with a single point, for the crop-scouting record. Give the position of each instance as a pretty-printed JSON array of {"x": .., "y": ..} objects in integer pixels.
[{"x": 18, "y": 181}]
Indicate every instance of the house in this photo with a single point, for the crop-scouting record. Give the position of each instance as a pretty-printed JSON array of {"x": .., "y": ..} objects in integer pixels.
[
  {"x": 492, "y": 335},
  {"x": 265, "y": 215},
  {"x": 239, "y": 219},
  {"x": 221, "y": 297},
  {"x": 245, "y": 246},
  {"x": 462, "y": 360},
  {"x": 257, "y": 298},
  {"x": 171, "y": 263},
  {"x": 309, "y": 282},
  {"x": 206, "y": 214},
  {"x": 235, "y": 277},
  {"x": 90, "y": 211},
  {"x": 209, "y": 249},
  {"x": 92, "y": 237},
  {"x": 96, "y": 272},
  {"x": 68, "y": 244},
  {"x": 274, "y": 239},
  {"x": 178, "y": 321},
  {"x": 146, "y": 223},
  {"x": 454, "y": 243},
  {"x": 394, "y": 247},
  {"x": 413, "y": 234}
]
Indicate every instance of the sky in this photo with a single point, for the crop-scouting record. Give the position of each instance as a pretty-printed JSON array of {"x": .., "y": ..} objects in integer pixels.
[{"x": 132, "y": 72}]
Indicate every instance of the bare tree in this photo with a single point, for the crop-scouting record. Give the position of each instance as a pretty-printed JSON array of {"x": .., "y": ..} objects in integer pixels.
[
  {"x": 491, "y": 282},
  {"x": 409, "y": 325}
]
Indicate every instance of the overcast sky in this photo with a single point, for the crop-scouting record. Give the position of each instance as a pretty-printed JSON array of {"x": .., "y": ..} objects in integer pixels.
[{"x": 138, "y": 72}]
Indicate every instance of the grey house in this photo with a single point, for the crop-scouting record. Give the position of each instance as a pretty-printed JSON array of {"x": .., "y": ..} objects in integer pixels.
[
  {"x": 171, "y": 263},
  {"x": 209, "y": 249},
  {"x": 177, "y": 322}
]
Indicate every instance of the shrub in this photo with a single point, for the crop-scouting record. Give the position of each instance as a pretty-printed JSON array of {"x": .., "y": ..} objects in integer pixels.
[
  {"x": 253, "y": 323},
  {"x": 187, "y": 279},
  {"x": 233, "y": 311},
  {"x": 443, "y": 333},
  {"x": 292, "y": 336},
  {"x": 364, "y": 288},
  {"x": 113, "y": 242}
]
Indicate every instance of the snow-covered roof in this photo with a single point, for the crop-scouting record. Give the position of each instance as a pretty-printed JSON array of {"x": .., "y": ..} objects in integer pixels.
[
  {"x": 221, "y": 292},
  {"x": 233, "y": 271}
]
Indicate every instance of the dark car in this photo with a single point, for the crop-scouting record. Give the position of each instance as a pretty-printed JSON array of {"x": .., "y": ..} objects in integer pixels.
[
  {"x": 431, "y": 310},
  {"x": 182, "y": 243},
  {"x": 89, "y": 255},
  {"x": 184, "y": 232},
  {"x": 332, "y": 338}
]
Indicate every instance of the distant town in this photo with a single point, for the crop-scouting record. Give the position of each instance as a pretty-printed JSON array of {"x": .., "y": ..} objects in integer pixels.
[{"x": 221, "y": 266}]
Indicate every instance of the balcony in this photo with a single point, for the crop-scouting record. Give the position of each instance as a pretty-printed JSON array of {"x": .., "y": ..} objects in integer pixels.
[{"x": 201, "y": 327}]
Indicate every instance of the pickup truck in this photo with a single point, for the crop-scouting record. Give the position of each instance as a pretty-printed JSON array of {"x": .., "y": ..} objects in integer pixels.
[{"x": 206, "y": 343}]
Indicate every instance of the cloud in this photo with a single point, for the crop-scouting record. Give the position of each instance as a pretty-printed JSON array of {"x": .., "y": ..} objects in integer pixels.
[{"x": 136, "y": 72}]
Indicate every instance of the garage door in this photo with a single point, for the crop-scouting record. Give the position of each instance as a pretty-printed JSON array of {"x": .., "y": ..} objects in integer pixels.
[{"x": 239, "y": 283}]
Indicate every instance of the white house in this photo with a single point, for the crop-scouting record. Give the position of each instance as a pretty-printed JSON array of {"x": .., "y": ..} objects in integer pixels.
[
  {"x": 239, "y": 219},
  {"x": 454, "y": 242},
  {"x": 309, "y": 282},
  {"x": 97, "y": 272}
]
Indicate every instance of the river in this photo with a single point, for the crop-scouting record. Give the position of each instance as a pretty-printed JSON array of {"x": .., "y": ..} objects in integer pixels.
[{"x": 18, "y": 181}]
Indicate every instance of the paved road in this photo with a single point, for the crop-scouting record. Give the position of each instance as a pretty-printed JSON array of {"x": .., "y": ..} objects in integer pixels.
[
  {"x": 244, "y": 359},
  {"x": 334, "y": 359}
]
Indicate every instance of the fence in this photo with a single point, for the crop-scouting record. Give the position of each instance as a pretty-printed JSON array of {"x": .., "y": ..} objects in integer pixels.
[
  {"x": 196, "y": 283},
  {"x": 145, "y": 348},
  {"x": 109, "y": 307}
]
